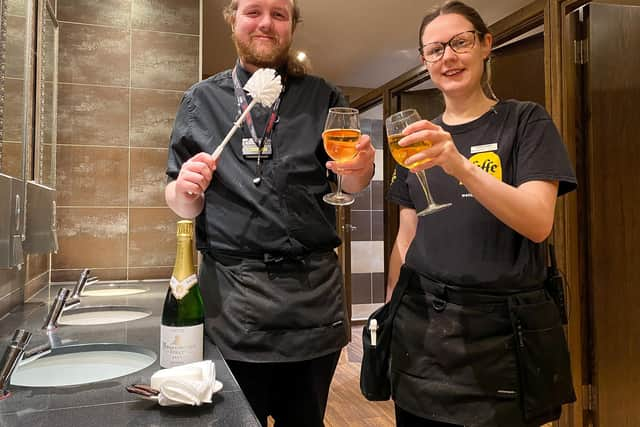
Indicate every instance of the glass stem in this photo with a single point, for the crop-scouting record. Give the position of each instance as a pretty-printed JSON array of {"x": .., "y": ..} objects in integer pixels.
[
  {"x": 422, "y": 178},
  {"x": 339, "y": 190}
]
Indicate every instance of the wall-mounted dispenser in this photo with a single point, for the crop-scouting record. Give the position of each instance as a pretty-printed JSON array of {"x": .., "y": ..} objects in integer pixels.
[
  {"x": 40, "y": 228},
  {"x": 11, "y": 224}
]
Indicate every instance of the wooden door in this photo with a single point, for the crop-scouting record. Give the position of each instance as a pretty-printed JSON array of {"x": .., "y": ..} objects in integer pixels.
[{"x": 609, "y": 200}]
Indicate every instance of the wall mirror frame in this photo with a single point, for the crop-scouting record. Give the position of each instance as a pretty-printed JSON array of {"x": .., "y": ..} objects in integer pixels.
[
  {"x": 44, "y": 153},
  {"x": 16, "y": 85}
]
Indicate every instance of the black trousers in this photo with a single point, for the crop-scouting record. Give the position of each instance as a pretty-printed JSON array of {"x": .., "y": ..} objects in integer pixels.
[
  {"x": 407, "y": 419},
  {"x": 293, "y": 393}
]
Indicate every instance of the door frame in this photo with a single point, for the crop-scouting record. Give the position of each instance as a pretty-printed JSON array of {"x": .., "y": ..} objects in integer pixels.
[{"x": 561, "y": 104}]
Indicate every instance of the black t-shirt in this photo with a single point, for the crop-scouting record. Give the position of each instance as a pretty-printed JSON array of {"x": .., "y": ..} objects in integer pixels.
[
  {"x": 285, "y": 214},
  {"x": 466, "y": 245}
]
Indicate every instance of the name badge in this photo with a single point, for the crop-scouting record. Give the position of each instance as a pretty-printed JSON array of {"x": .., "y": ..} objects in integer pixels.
[
  {"x": 484, "y": 148},
  {"x": 250, "y": 149}
]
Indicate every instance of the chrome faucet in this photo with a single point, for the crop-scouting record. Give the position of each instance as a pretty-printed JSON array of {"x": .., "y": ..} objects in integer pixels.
[
  {"x": 74, "y": 298},
  {"x": 12, "y": 356},
  {"x": 55, "y": 311}
]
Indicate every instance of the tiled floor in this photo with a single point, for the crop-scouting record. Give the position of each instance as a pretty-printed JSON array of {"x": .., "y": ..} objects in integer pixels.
[{"x": 361, "y": 312}]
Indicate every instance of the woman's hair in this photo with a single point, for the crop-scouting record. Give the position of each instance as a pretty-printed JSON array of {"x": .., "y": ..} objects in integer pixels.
[
  {"x": 229, "y": 12},
  {"x": 472, "y": 15}
]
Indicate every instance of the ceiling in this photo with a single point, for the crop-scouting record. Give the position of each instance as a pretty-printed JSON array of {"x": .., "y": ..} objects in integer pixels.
[{"x": 357, "y": 43}]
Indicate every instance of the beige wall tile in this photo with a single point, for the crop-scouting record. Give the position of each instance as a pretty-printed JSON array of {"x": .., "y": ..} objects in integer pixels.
[
  {"x": 93, "y": 55},
  {"x": 15, "y": 46},
  {"x": 113, "y": 13},
  {"x": 91, "y": 176},
  {"x": 103, "y": 274},
  {"x": 11, "y": 300},
  {"x": 147, "y": 177},
  {"x": 47, "y": 115},
  {"x": 11, "y": 159},
  {"x": 148, "y": 273},
  {"x": 93, "y": 115},
  {"x": 152, "y": 237},
  {"x": 36, "y": 265},
  {"x": 35, "y": 284},
  {"x": 16, "y": 7},
  {"x": 367, "y": 257},
  {"x": 152, "y": 115},
  {"x": 13, "y": 109},
  {"x": 47, "y": 175},
  {"x": 172, "y": 16},
  {"x": 163, "y": 61},
  {"x": 91, "y": 238},
  {"x": 11, "y": 279}
]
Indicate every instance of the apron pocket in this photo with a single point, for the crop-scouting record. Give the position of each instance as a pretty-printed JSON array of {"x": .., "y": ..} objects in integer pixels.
[
  {"x": 543, "y": 361},
  {"x": 470, "y": 347},
  {"x": 293, "y": 294}
]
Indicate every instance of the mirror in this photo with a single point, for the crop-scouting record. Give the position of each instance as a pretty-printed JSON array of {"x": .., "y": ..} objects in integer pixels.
[
  {"x": 14, "y": 85},
  {"x": 47, "y": 97}
]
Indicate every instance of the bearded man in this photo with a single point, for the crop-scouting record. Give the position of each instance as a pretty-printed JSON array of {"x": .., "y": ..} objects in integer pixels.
[{"x": 270, "y": 279}]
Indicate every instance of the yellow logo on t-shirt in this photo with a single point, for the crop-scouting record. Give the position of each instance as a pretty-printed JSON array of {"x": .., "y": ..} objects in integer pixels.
[{"x": 488, "y": 162}]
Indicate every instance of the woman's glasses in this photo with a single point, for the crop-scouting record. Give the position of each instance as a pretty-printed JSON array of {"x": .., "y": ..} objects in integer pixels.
[{"x": 460, "y": 43}]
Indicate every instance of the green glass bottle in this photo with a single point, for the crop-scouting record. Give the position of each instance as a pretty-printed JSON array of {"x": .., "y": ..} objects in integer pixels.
[{"x": 182, "y": 325}]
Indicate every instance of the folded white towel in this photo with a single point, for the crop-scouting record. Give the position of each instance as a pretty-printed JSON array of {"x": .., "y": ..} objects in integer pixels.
[{"x": 190, "y": 384}]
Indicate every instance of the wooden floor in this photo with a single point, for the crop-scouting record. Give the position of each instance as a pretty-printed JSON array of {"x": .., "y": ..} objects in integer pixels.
[{"x": 346, "y": 406}]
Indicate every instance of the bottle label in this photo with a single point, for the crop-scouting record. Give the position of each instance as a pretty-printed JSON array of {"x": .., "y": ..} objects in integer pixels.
[
  {"x": 179, "y": 288},
  {"x": 181, "y": 344}
]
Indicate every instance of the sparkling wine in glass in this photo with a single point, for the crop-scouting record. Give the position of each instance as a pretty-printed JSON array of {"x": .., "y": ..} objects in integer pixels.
[
  {"x": 395, "y": 124},
  {"x": 341, "y": 133}
]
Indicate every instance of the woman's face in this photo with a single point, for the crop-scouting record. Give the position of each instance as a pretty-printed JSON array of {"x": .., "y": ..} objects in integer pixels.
[{"x": 455, "y": 73}]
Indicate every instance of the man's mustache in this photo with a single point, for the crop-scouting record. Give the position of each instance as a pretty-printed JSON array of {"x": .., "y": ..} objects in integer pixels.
[{"x": 271, "y": 36}]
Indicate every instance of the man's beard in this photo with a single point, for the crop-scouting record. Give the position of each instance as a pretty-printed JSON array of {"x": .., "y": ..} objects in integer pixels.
[{"x": 262, "y": 58}]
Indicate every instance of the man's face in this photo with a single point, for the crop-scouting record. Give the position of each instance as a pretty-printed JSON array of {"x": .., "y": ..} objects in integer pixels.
[{"x": 262, "y": 32}]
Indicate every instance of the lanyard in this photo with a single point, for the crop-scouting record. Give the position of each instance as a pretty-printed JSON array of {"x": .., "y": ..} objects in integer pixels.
[{"x": 243, "y": 104}]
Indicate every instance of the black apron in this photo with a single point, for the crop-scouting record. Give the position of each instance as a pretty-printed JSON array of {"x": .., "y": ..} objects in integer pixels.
[
  {"x": 466, "y": 356},
  {"x": 274, "y": 309}
]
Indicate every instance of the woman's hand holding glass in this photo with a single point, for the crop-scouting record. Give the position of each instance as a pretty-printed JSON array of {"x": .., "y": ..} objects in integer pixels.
[
  {"x": 415, "y": 150},
  {"x": 441, "y": 152}
]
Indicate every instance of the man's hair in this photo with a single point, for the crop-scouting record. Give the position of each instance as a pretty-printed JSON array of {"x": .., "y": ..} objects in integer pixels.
[{"x": 229, "y": 12}]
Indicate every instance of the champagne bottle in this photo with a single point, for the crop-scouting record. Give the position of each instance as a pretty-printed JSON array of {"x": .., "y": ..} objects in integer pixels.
[{"x": 182, "y": 325}]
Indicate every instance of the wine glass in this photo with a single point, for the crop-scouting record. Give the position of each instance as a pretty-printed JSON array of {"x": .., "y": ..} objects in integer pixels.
[
  {"x": 395, "y": 124},
  {"x": 341, "y": 133}
]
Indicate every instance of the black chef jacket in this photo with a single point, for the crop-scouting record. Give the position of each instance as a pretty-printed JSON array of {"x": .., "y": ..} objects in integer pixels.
[
  {"x": 285, "y": 214},
  {"x": 270, "y": 279}
]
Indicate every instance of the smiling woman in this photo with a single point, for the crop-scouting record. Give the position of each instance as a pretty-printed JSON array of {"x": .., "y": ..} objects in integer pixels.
[{"x": 476, "y": 318}]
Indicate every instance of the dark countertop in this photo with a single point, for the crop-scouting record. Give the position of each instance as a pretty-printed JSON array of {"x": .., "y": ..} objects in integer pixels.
[{"x": 107, "y": 403}]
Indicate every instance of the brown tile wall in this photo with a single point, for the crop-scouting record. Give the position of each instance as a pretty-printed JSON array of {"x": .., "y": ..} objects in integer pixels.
[
  {"x": 123, "y": 67},
  {"x": 11, "y": 288},
  {"x": 37, "y": 274}
]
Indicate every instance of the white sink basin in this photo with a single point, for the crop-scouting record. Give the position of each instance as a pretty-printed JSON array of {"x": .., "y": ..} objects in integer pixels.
[
  {"x": 102, "y": 315},
  {"x": 81, "y": 364},
  {"x": 112, "y": 290}
]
